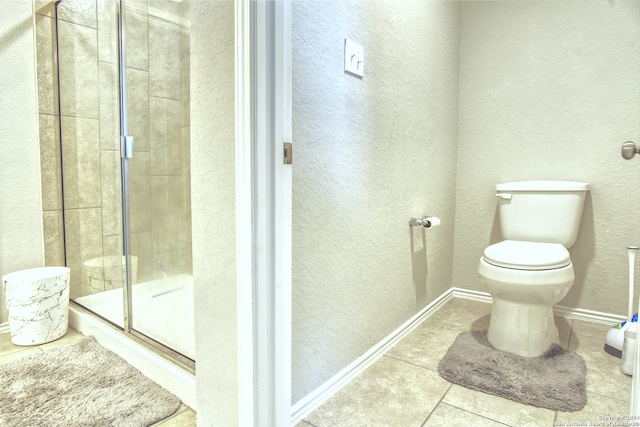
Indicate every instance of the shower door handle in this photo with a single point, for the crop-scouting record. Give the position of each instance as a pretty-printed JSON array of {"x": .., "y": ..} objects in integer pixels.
[
  {"x": 126, "y": 148},
  {"x": 629, "y": 150}
]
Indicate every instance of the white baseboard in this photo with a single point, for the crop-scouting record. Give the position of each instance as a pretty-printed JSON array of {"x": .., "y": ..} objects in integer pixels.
[
  {"x": 558, "y": 310},
  {"x": 588, "y": 315},
  {"x": 471, "y": 295},
  {"x": 317, "y": 397},
  {"x": 314, "y": 399},
  {"x": 4, "y": 327}
]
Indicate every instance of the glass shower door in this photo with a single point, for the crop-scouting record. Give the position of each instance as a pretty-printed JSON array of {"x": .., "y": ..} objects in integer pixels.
[
  {"x": 83, "y": 209},
  {"x": 119, "y": 213},
  {"x": 159, "y": 203}
]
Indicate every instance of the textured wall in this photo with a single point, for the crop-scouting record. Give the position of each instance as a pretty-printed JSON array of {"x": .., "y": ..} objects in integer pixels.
[
  {"x": 369, "y": 154},
  {"x": 213, "y": 212},
  {"x": 20, "y": 210},
  {"x": 550, "y": 90}
]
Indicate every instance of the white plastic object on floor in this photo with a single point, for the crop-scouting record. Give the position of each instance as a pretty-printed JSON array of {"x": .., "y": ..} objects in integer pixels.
[
  {"x": 629, "y": 348},
  {"x": 38, "y": 304},
  {"x": 614, "y": 338}
]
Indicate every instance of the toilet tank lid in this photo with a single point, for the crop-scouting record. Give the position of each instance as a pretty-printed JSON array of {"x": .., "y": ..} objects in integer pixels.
[{"x": 542, "y": 185}]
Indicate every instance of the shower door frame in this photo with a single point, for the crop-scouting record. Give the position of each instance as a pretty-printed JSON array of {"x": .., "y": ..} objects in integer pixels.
[{"x": 127, "y": 152}]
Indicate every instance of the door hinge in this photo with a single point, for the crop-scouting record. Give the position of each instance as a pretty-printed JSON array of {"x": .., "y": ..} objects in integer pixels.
[{"x": 288, "y": 153}]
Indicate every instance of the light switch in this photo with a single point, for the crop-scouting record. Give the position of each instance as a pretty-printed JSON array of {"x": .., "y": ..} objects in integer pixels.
[{"x": 353, "y": 58}]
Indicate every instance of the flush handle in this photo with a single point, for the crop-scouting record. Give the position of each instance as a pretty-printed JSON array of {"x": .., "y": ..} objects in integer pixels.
[
  {"x": 629, "y": 150},
  {"x": 505, "y": 196}
]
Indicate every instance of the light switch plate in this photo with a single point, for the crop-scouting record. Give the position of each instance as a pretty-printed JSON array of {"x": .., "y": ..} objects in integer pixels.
[{"x": 353, "y": 58}]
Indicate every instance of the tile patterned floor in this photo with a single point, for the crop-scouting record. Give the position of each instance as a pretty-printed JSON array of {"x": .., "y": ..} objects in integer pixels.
[
  {"x": 184, "y": 417},
  {"x": 403, "y": 387}
]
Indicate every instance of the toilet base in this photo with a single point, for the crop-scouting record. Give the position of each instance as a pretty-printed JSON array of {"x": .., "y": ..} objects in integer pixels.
[{"x": 523, "y": 329}]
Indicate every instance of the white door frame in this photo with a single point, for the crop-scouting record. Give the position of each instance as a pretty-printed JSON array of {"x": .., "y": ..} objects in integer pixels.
[
  {"x": 263, "y": 211},
  {"x": 281, "y": 29}
]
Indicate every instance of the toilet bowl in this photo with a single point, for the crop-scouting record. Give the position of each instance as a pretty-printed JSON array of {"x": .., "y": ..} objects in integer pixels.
[
  {"x": 530, "y": 279},
  {"x": 530, "y": 271}
]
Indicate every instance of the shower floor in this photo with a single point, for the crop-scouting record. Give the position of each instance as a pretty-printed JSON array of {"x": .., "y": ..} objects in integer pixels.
[{"x": 162, "y": 310}]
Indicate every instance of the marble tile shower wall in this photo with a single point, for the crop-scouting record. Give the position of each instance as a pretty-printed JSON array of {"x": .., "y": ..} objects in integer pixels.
[{"x": 158, "y": 102}]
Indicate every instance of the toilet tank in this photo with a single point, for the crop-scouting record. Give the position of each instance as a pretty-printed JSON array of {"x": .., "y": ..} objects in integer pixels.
[{"x": 541, "y": 211}]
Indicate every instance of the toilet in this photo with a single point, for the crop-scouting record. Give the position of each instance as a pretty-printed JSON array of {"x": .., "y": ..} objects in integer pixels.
[{"x": 530, "y": 270}]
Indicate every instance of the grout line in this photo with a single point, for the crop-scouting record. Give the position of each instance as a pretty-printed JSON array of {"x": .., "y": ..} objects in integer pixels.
[
  {"x": 436, "y": 405},
  {"x": 313, "y": 400},
  {"x": 493, "y": 420},
  {"x": 414, "y": 364},
  {"x": 8, "y": 352},
  {"x": 477, "y": 415},
  {"x": 572, "y": 336},
  {"x": 571, "y": 332},
  {"x": 410, "y": 363},
  {"x": 26, "y": 353},
  {"x": 607, "y": 396}
]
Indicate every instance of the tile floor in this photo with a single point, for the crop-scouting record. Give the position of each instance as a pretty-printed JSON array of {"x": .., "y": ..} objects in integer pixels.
[
  {"x": 184, "y": 417},
  {"x": 403, "y": 387}
]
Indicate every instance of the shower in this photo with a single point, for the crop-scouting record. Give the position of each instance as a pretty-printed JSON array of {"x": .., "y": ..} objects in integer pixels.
[{"x": 113, "y": 104}]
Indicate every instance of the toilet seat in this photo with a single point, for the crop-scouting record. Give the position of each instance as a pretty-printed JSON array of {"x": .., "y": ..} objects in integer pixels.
[{"x": 520, "y": 255}]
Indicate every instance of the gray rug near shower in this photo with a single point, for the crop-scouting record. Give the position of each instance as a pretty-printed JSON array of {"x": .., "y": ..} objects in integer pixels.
[
  {"x": 556, "y": 380},
  {"x": 80, "y": 384}
]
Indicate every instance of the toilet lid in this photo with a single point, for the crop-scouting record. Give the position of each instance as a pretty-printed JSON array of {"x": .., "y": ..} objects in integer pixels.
[{"x": 527, "y": 255}]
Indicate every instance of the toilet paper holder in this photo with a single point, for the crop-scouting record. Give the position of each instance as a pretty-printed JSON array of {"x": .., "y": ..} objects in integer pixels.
[{"x": 425, "y": 222}]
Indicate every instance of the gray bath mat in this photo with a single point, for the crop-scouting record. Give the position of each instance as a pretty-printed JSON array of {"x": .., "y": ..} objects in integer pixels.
[
  {"x": 556, "y": 380},
  {"x": 80, "y": 384}
]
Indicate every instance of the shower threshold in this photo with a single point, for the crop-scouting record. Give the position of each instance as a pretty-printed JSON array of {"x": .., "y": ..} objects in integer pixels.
[{"x": 163, "y": 311}]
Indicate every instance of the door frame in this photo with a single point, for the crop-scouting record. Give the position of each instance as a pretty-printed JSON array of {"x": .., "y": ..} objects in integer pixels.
[{"x": 263, "y": 211}]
